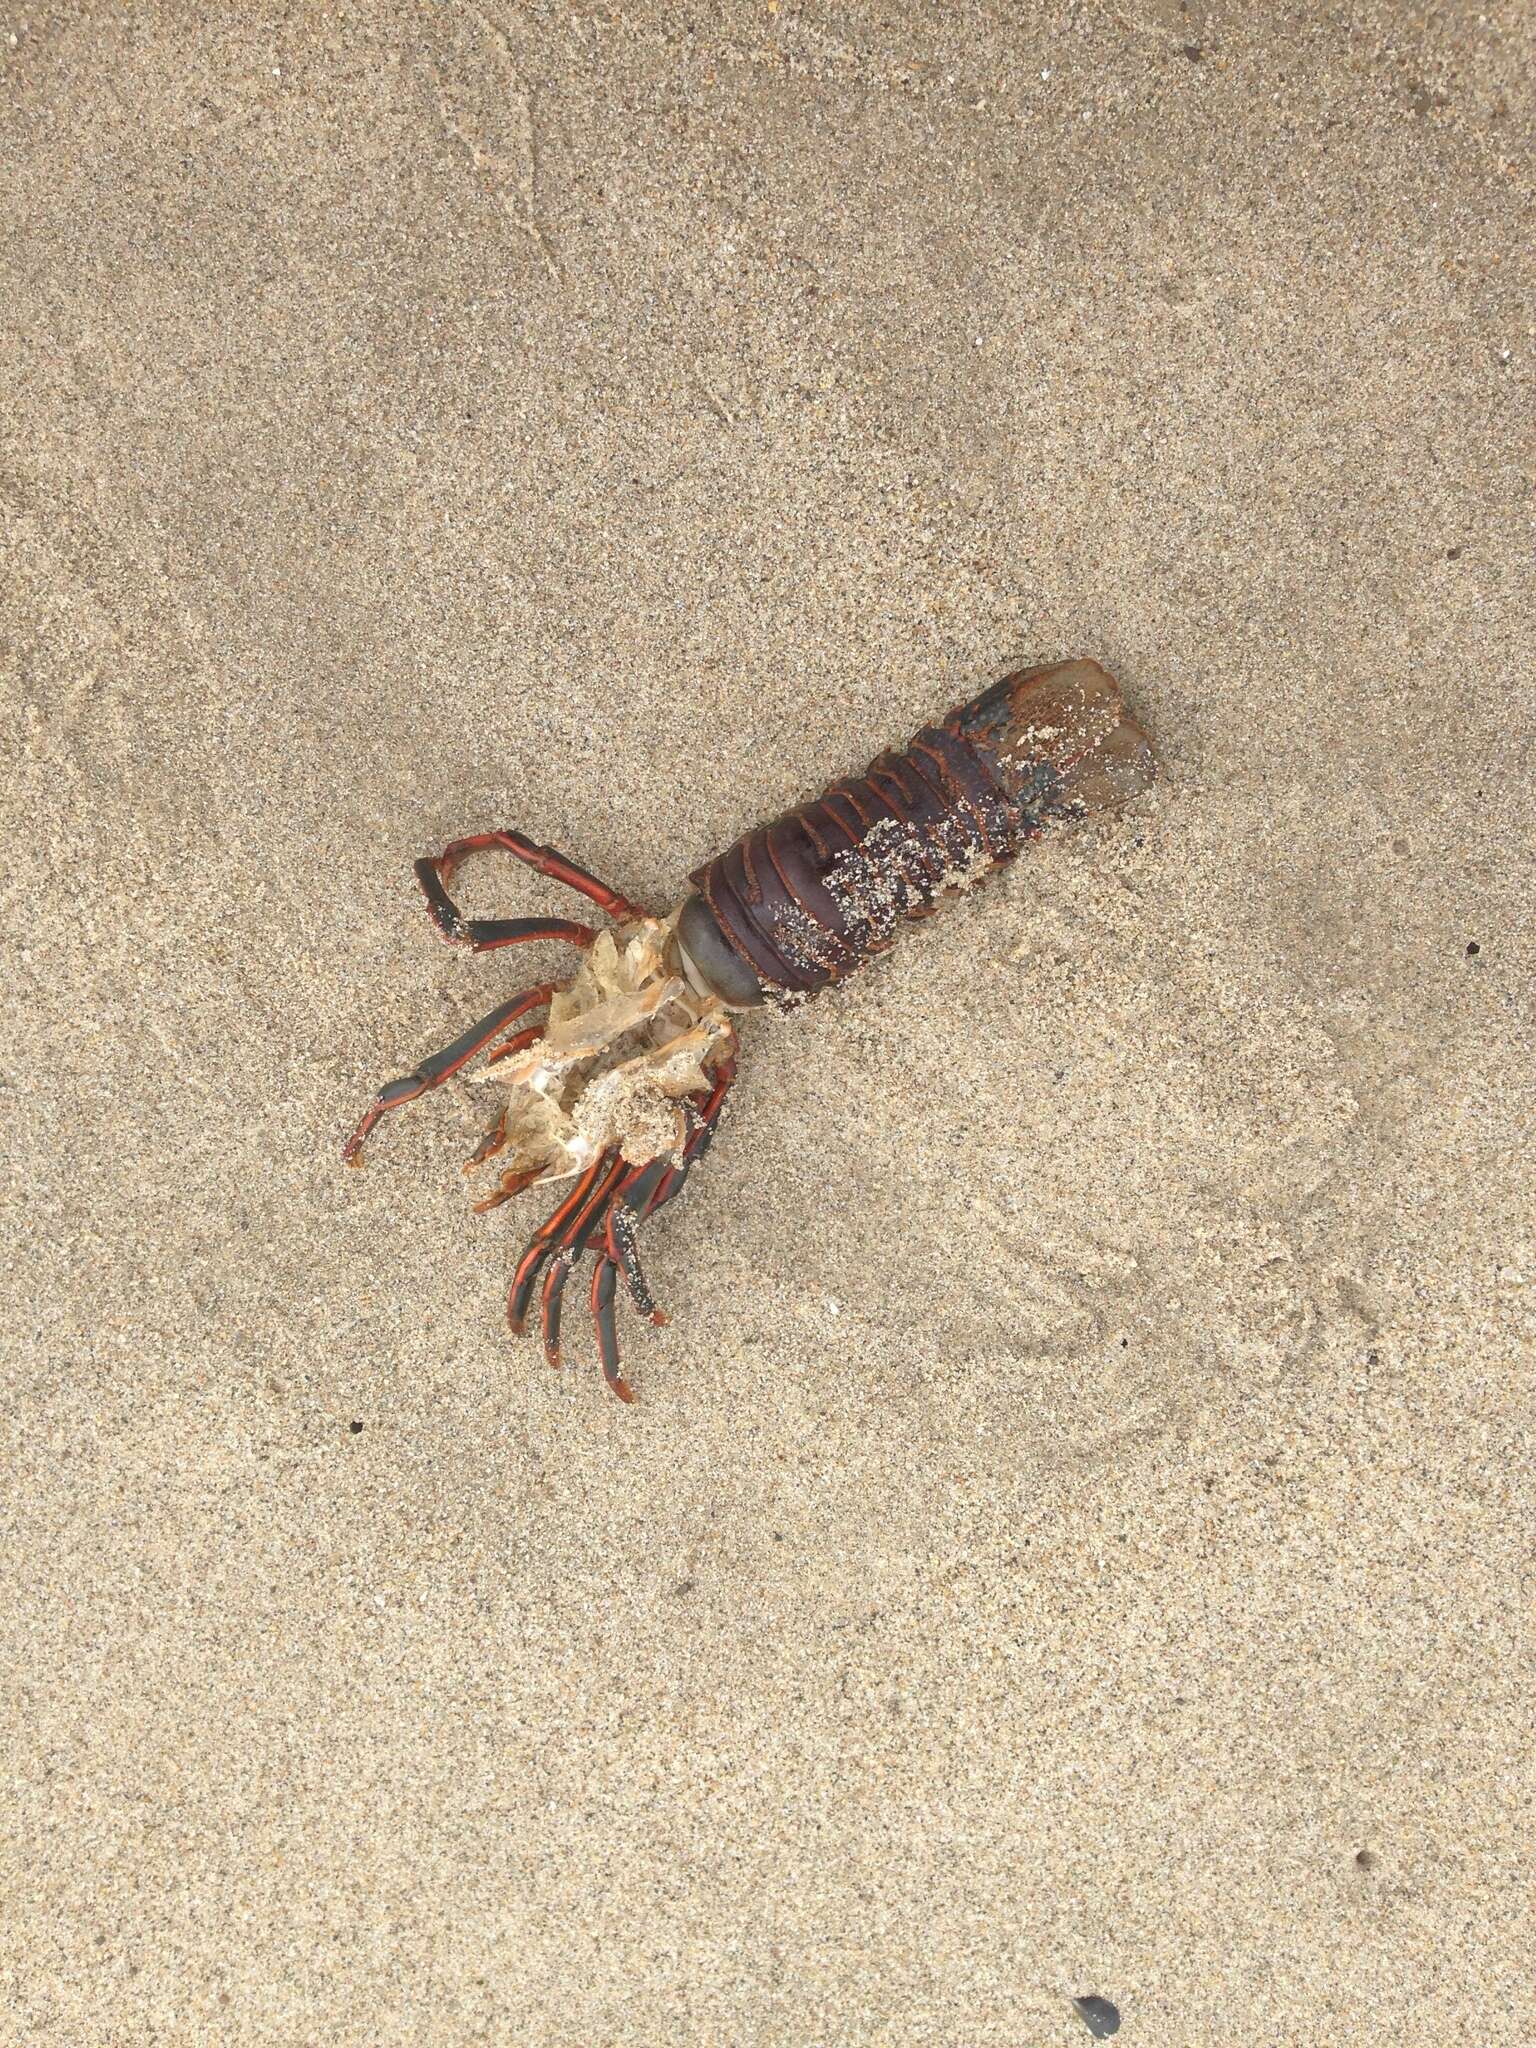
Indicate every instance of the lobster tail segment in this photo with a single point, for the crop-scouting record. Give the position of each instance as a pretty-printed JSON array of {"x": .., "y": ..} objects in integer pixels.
[{"x": 806, "y": 900}]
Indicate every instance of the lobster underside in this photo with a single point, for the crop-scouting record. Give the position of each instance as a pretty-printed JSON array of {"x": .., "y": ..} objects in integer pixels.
[{"x": 619, "y": 1090}]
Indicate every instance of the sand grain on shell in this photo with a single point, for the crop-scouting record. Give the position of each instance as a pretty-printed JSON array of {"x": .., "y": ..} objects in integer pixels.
[{"x": 1075, "y": 1530}]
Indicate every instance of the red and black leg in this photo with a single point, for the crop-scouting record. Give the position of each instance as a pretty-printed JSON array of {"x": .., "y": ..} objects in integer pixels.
[
  {"x": 704, "y": 1118},
  {"x": 605, "y": 1278},
  {"x": 653, "y": 1187},
  {"x": 483, "y": 934},
  {"x": 542, "y": 1243},
  {"x": 512, "y": 1183},
  {"x": 658, "y": 1183},
  {"x": 546, "y": 861},
  {"x": 642, "y": 1194},
  {"x": 603, "y": 1281},
  {"x": 440, "y": 1066},
  {"x": 628, "y": 1210},
  {"x": 583, "y": 1229},
  {"x": 490, "y": 1144},
  {"x": 631, "y": 1202}
]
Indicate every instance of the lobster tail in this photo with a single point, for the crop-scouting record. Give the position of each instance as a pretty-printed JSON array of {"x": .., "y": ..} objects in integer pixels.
[{"x": 806, "y": 900}]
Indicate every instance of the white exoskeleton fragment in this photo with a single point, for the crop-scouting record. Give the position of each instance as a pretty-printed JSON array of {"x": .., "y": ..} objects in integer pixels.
[{"x": 628, "y": 1040}]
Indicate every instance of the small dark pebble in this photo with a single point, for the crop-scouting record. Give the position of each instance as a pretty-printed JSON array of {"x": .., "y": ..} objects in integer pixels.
[
  {"x": 1453, "y": 554},
  {"x": 1193, "y": 51},
  {"x": 1097, "y": 2014},
  {"x": 1473, "y": 949},
  {"x": 1365, "y": 1859},
  {"x": 356, "y": 1428}
]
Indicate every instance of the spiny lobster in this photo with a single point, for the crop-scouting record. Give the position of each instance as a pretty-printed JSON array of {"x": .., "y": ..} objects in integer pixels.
[{"x": 620, "y": 1089}]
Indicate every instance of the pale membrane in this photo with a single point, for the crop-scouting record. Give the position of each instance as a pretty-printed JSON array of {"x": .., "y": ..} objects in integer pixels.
[{"x": 627, "y": 1040}]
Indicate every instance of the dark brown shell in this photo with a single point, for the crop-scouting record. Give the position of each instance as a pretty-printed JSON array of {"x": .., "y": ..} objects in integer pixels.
[{"x": 807, "y": 899}]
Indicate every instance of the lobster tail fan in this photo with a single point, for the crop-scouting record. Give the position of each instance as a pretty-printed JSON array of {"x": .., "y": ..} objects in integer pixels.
[
  {"x": 1058, "y": 741},
  {"x": 1110, "y": 773}
]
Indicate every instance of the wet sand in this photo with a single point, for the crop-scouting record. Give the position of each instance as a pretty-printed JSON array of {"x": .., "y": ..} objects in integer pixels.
[{"x": 1075, "y": 1535}]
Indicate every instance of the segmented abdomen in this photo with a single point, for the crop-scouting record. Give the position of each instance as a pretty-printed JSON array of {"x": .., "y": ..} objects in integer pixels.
[{"x": 805, "y": 900}]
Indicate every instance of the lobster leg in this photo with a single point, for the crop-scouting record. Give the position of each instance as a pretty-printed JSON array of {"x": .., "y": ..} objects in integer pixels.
[
  {"x": 623, "y": 1248},
  {"x": 654, "y": 1186},
  {"x": 573, "y": 1241},
  {"x": 518, "y": 1044},
  {"x": 621, "y": 1231},
  {"x": 607, "y": 1334},
  {"x": 512, "y": 1183},
  {"x": 542, "y": 1243},
  {"x": 485, "y": 934},
  {"x": 641, "y": 1195},
  {"x": 627, "y": 1211},
  {"x": 547, "y": 861},
  {"x": 651, "y": 1192},
  {"x": 489, "y": 1145},
  {"x": 440, "y": 1066},
  {"x": 496, "y": 1137}
]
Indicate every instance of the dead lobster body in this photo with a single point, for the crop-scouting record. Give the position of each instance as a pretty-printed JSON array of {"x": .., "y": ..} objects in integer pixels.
[{"x": 620, "y": 1090}]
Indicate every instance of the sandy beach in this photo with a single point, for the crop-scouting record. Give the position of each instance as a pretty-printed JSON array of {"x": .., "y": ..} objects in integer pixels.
[{"x": 1076, "y": 1534}]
